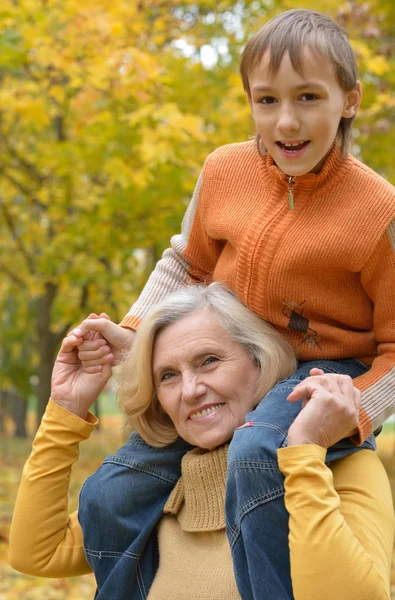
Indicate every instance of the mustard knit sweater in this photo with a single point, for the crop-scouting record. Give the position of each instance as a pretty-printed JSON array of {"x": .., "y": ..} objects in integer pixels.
[
  {"x": 341, "y": 520},
  {"x": 323, "y": 273},
  {"x": 194, "y": 554}
]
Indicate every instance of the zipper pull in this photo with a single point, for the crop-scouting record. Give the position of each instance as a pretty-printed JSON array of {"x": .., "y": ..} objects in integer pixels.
[{"x": 291, "y": 184}]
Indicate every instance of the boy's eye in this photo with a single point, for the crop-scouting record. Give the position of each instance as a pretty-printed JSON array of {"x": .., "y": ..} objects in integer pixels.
[
  {"x": 267, "y": 100},
  {"x": 309, "y": 97}
]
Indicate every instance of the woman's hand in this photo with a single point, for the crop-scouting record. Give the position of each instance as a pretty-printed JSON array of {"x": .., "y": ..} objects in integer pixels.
[
  {"x": 106, "y": 348},
  {"x": 330, "y": 409},
  {"x": 72, "y": 387}
]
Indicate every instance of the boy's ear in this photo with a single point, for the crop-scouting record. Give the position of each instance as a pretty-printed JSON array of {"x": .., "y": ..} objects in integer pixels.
[{"x": 352, "y": 101}]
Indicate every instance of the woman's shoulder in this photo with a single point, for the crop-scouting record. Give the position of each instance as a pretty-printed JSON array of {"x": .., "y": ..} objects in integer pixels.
[{"x": 363, "y": 470}]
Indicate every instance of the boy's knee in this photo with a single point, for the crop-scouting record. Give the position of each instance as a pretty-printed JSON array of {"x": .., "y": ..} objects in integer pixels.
[
  {"x": 255, "y": 443},
  {"x": 266, "y": 427}
]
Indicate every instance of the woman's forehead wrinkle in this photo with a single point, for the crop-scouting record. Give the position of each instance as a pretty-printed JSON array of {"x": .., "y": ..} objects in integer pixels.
[{"x": 185, "y": 347}]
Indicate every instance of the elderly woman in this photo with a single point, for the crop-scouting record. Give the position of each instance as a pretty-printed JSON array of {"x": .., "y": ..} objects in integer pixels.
[{"x": 200, "y": 363}]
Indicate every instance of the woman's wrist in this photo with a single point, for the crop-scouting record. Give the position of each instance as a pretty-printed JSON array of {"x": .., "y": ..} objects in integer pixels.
[
  {"x": 72, "y": 407},
  {"x": 301, "y": 441}
]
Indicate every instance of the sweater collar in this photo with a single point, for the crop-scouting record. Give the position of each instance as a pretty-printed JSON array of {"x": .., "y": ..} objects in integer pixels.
[
  {"x": 333, "y": 169},
  {"x": 198, "y": 500}
]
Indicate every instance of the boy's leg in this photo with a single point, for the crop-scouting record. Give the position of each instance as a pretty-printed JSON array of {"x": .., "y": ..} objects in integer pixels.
[{"x": 257, "y": 521}]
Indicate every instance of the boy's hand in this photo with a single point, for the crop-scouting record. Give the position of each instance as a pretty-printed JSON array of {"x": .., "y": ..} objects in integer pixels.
[
  {"x": 330, "y": 409},
  {"x": 104, "y": 342}
]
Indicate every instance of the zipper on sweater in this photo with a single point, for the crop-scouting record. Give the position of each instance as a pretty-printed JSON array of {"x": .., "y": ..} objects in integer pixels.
[{"x": 291, "y": 184}]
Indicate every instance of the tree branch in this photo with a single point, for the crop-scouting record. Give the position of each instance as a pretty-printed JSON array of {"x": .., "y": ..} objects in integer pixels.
[
  {"x": 24, "y": 190},
  {"x": 17, "y": 184},
  {"x": 12, "y": 275},
  {"x": 16, "y": 238},
  {"x": 28, "y": 166},
  {"x": 84, "y": 296}
]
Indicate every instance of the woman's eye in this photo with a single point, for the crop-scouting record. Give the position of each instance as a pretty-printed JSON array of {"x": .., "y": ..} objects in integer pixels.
[
  {"x": 309, "y": 97},
  {"x": 210, "y": 360},
  {"x": 166, "y": 376}
]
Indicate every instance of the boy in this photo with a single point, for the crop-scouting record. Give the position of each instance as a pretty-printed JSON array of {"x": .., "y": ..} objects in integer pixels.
[{"x": 305, "y": 236}]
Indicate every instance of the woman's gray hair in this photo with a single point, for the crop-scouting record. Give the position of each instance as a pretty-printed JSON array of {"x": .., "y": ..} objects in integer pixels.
[{"x": 136, "y": 392}]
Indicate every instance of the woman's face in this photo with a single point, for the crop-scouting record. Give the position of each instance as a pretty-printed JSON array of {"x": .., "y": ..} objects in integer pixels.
[{"x": 204, "y": 380}]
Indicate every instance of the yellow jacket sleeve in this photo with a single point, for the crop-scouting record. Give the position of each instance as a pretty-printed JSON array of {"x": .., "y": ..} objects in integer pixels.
[
  {"x": 44, "y": 539},
  {"x": 341, "y": 524}
]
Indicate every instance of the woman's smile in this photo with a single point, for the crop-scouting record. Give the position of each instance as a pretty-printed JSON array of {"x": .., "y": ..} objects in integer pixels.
[
  {"x": 204, "y": 380},
  {"x": 205, "y": 412}
]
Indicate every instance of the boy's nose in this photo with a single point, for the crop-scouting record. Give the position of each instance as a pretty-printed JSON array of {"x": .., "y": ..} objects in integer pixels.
[{"x": 288, "y": 120}]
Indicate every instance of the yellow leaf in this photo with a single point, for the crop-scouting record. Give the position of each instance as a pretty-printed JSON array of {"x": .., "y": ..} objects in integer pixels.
[
  {"x": 32, "y": 112},
  {"x": 377, "y": 65},
  {"x": 58, "y": 92}
]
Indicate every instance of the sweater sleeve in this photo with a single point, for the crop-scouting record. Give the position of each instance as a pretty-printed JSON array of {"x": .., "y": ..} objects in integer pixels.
[
  {"x": 44, "y": 539},
  {"x": 377, "y": 386},
  {"x": 341, "y": 524},
  {"x": 191, "y": 257}
]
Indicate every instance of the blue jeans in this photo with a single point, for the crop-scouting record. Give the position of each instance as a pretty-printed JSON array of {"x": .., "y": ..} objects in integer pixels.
[
  {"x": 256, "y": 518},
  {"x": 122, "y": 502}
]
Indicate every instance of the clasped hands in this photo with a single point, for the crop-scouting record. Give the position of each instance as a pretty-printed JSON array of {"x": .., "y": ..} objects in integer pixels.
[{"x": 331, "y": 403}]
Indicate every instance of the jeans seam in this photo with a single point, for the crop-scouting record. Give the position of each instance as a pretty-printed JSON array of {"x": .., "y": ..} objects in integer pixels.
[
  {"x": 253, "y": 464},
  {"x": 140, "y": 582},
  {"x": 234, "y": 530},
  {"x": 269, "y": 425},
  {"x": 287, "y": 388},
  {"x": 141, "y": 469},
  {"x": 337, "y": 371},
  {"x": 110, "y": 554}
]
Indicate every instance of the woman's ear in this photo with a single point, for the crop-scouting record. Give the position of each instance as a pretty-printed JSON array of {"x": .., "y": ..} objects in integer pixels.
[{"x": 352, "y": 101}]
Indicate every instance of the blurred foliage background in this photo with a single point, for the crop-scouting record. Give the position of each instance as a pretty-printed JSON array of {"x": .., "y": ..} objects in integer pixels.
[{"x": 107, "y": 111}]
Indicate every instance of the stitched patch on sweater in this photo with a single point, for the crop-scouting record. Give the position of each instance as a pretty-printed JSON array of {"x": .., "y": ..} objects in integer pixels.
[{"x": 298, "y": 322}]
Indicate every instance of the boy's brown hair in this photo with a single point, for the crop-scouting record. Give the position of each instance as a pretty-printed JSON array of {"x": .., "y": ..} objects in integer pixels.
[{"x": 293, "y": 30}]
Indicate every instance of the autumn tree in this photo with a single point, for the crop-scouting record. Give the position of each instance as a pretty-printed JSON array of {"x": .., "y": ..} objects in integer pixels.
[
  {"x": 107, "y": 111},
  {"x": 99, "y": 150}
]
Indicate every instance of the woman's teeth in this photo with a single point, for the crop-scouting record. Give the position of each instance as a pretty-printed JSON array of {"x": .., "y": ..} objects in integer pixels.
[{"x": 205, "y": 412}]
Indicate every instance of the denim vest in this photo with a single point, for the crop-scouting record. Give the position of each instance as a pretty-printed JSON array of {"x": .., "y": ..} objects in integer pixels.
[
  {"x": 118, "y": 523},
  {"x": 122, "y": 502}
]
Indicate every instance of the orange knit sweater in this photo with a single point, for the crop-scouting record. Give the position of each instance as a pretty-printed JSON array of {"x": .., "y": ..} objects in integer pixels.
[{"x": 323, "y": 273}]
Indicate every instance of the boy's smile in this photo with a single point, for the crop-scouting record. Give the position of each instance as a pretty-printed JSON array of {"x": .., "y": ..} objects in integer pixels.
[{"x": 298, "y": 115}]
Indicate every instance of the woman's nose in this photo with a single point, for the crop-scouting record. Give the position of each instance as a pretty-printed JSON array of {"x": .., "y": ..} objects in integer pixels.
[{"x": 192, "y": 388}]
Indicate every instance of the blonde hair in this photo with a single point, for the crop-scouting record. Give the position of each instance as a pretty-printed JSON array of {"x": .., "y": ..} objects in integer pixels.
[
  {"x": 291, "y": 32},
  {"x": 136, "y": 391}
]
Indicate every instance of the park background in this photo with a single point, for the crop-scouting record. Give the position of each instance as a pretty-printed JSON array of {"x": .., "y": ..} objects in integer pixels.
[{"x": 108, "y": 109}]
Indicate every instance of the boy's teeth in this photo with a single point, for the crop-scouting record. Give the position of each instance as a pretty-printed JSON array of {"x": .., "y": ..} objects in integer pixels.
[
  {"x": 292, "y": 147},
  {"x": 205, "y": 412}
]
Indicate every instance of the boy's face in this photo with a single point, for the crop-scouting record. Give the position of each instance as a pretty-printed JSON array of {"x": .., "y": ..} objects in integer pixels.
[{"x": 297, "y": 116}]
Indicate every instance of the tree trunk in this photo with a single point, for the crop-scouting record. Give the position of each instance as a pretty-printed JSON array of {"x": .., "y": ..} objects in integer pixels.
[
  {"x": 19, "y": 412},
  {"x": 47, "y": 344},
  {"x": 3, "y": 409}
]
